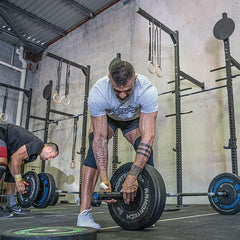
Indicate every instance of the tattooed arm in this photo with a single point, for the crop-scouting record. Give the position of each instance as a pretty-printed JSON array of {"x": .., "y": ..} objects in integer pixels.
[
  {"x": 147, "y": 127},
  {"x": 100, "y": 146}
]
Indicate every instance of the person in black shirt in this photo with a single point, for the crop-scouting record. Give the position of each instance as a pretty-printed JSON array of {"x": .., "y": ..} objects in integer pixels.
[{"x": 17, "y": 147}]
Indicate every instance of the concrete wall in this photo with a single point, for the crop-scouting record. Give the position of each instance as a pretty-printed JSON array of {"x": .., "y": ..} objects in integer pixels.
[
  {"x": 10, "y": 72},
  {"x": 121, "y": 29}
]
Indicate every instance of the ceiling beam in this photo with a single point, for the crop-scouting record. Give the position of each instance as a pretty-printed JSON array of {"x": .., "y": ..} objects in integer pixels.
[
  {"x": 54, "y": 28},
  {"x": 43, "y": 47},
  {"x": 80, "y": 7},
  {"x": 15, "y": 29}
]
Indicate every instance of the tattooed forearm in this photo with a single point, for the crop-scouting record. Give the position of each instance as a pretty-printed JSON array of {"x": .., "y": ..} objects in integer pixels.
[
  {"x": 135, "y": 170},
  {"x": 144, "y": 149},
  {"x": 100, "y": 149}
]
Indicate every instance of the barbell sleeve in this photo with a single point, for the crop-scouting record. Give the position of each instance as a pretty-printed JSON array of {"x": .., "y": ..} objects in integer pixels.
[
  {"x": 210, "y": 194},
  {"x": 107, "y": 195},
  {"x": 61, "y": 191}
]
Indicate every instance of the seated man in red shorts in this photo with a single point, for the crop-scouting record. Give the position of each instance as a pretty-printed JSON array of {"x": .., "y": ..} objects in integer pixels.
[{"x": 18, "y": 146}]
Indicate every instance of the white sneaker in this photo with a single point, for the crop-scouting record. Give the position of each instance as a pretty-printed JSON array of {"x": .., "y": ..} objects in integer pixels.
[{"x": 85, "y": 219}]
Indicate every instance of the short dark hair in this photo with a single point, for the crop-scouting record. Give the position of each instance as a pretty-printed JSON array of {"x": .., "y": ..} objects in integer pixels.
[
  {"x": 121, "y": 72},
  {"x": 54, "y": 146}
]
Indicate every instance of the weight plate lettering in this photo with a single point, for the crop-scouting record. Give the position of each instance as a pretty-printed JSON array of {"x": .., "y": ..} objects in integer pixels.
[
  {"x": 26, "y": 200},
  {"x": 139, "y": 212},
  {"x": 160, "y": 198},
  {"x": 229, "y": 204}
]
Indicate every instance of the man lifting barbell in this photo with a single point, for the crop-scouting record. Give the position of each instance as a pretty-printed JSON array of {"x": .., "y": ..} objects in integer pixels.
[
  {"x": 18, "y": 146},
  {"x": 120, "y": 100}
]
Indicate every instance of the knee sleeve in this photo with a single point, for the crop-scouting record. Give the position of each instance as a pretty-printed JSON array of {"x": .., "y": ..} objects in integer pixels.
[
  {"x": 150, "y": 159},
  {"x": 90, "y": 159},
  {"x": 2, "y": 170}
]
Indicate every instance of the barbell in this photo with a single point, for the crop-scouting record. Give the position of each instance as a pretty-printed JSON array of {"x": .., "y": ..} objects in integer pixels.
[
  {"x": 223, "y": 194},
  {"x": 119, "y": 195},
  {"x": 149, "y": 203}
]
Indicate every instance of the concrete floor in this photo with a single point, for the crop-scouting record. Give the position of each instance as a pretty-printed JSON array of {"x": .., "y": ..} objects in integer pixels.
[{"x": 192, "y": 222}]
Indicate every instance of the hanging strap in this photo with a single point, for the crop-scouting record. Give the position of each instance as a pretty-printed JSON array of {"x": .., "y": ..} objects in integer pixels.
[
  {"x": 158, "y": 68},
  {"x": 4, "y": 116},
  {"x": 150, "y": 65},
  {"x": 72, "y": 164},
  {"x": 56, "y": 97},
  {"x": 65, "y": 99},
  {"x": 150, "y": 42}
]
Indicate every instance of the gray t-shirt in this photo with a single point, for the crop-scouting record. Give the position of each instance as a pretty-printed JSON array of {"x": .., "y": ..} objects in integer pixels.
[{"x": 103, "y": 101}]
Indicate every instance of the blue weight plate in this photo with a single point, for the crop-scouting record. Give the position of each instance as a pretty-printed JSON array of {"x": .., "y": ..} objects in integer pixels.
[
  {"x": 229, "y": 183},
  {"x": 47, "y": 190}
]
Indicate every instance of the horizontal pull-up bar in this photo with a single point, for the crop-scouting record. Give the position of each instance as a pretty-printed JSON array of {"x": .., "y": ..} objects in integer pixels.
[
  {"x": 61, "y": 113},
  {"x": 206, "y": 90},
  {"x": 14, "y": 88},
  {"x": 173, "y": 81},
  {"x": 233, "y": 63},
  {"x": 63, "y": 119},
  {"x": 174, "y": 114},
  {"x": 54, "y": 121},
  {"x": 221, "y": 79},
  {"x": 157, "y": 23},
  {"x": 173, "y": 91},
  {"x": 220, "y": 68},
  {"x": 57, "y": 120},
  {"x": 38, "y": 118},
  {"x": 66, "y": 61}
]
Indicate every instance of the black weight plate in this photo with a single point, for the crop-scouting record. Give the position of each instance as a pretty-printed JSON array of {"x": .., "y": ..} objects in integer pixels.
[
  {"x": 230, "y": 183},
  {"x": 161, "y": 198},
  {"x": 47, "y": 190},
  {"x": 47, "y": 233},
  {"x": 55, "y": 198},
  {"x": 224, "y": 28},
  {"x": 139, "y": 212},
  {"x": 26, "y": 200}
]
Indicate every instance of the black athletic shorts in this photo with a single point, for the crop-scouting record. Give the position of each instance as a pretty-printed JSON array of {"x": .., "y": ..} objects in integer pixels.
[{"x": 125, "y": 126}]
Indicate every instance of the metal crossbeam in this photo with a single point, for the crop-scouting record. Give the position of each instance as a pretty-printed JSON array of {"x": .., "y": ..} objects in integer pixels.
[
  {"x": 157, "y": 23},
  {"x": 81, "y": 8},
  {"x": 14, "y": 35},
  {"x": 18, "y": 33},
  {"x": 56, "y": 29}
]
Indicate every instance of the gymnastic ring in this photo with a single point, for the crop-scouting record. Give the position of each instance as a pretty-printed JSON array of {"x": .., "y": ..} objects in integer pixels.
[
  {"x": 150, "y": 67},
  {"x": 65, "y": 100},
  {"x": 55, "y": 95},
  {"x": 4, "y": 117},
  {"x": 72, "y": 164},
  {"x": 158, "y": 70}
]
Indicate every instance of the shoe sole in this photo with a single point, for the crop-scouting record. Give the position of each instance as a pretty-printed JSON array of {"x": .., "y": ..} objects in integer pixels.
[
  {"x": 16, "y": 213},
  {"x": 8, "y": 216}
]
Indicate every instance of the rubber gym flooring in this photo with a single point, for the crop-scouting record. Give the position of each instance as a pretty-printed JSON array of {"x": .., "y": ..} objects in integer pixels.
[{"x": 188, "y": 222}]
